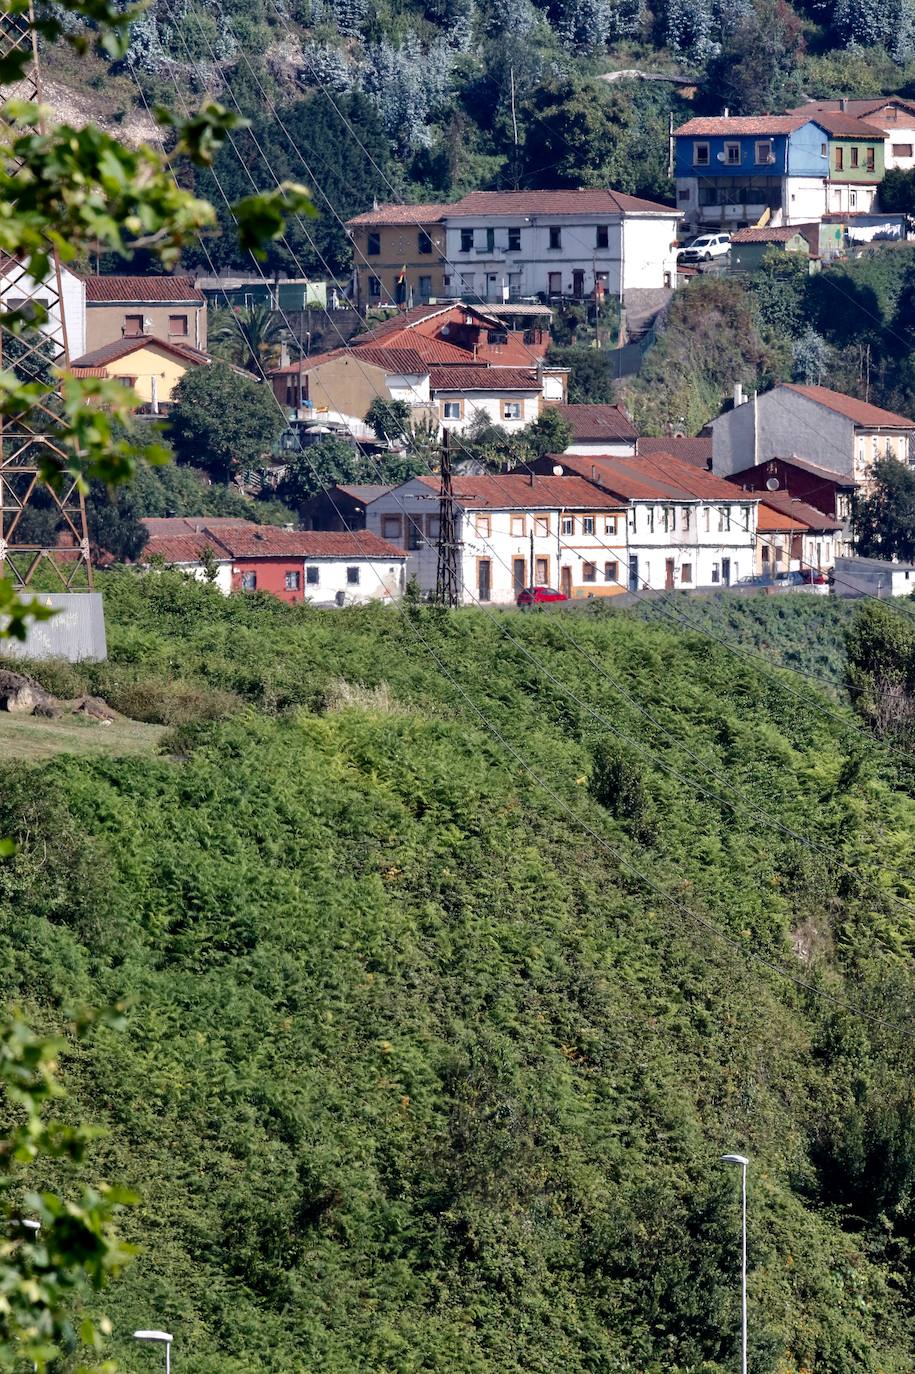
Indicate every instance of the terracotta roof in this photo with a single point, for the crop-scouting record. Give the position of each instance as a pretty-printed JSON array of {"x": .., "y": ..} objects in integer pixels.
[
  {"x": 745, "y": 124},
  {"x": 88, "y": 372},
  {"x": 515, "y": 492},
  {"x": 696, "y": 451},
  {"x": 861, "y": 412},
  {"x": 769, "y": 520},
  {"x": 597, "y": 421},
  {"x": 778, "y": 234},
  {"x": 133, "y": 289},
  {"x": 858, "y": 109},
  {"x": 398, "y": 214},
  {"x": 584, "y": 201},
  {"x": 401, "y": 360},
  {"x": 431, "y": 349},
  {"x": 842, "y": 479},
  {"x": 658, "y": 476},
  {"x": 181, "y": 548},
  {"x": 478, "y": 377},
  {"x": 847, "y": 126},
  {"x": 787, "y": 508},
  {"x": 405, "y": 319},
  {"x": 193, "y": 524},
  {"x": 122, "y": 348},
  {"x": 266, "y": 541}
]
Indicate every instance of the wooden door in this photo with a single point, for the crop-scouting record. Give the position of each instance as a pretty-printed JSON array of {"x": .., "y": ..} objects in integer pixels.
[
  {"x": 565, "y": 582},
  {"x": 669, "y": 569},
  {"x": 484, "y": 579},
  {"x": 519, "y": 570}
]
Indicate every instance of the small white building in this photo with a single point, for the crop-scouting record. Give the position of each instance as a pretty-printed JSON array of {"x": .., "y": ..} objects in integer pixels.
[
  {"x": 793, "y": 536},
  {"x": 18, "y": 289},
  {"x": 854, "y": 577},
  {"x": 503, "y": 245},
  {"x": 512, "y": 531},
  {"x": 603, "y": 429},
  {"x": 508, "y": 396}
]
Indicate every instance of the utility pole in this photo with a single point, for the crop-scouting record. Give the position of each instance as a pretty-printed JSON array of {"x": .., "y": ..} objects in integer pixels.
[
  {"x": 447, "y": 579},
  {"x": 511, "y": 77}
]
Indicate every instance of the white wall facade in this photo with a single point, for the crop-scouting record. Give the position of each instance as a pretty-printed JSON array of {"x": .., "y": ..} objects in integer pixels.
[
  {"x": 491, "y": 404},
  {"x": 16, "y": 285},
  {"x": 850, "y": 198},
  {"x": 690, "y": 545},
  {"x": 414, "y": 389},
  {"x": 617, "y": 448},
  {"x": 637, "y": 254},
  {"x": 379, "y": 579},
  {"x": 777, "y": 551}
]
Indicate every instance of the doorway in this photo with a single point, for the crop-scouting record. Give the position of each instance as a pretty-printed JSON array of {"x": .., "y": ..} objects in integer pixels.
[
  {"x": 519, "y": 569},
  {"x": 726, "y": 571},
  {"x": 578, "y": 284},
  {"x": 633, "y": 572},
  {"x": 554, "y": 284},
  {"x": 669, "y": 572},
  {"x": 565, "y": 582},
  {"x": 484, "y": 579}
]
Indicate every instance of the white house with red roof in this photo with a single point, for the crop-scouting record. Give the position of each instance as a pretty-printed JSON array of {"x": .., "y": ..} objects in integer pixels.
[
  {"x": 502, "y": 245},
  {"x": 826, "y": 427},
  {"x": 323, "y": 567}
]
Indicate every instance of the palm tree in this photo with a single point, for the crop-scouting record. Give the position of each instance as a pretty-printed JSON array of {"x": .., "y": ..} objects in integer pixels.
[{"x": 249, "y": 336}]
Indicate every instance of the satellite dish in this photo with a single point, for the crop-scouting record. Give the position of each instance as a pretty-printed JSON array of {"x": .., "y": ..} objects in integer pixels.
[
  {"x": 772, "y": 484},
  {"x": 557, "y": 470},
  {"x": 678, "y": 434}
]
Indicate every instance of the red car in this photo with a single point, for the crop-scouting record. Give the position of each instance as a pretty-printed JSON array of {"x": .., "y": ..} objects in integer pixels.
[{"x": 535, "y": 596}]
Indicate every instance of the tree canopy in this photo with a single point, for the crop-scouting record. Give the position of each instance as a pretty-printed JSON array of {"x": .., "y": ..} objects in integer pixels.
[{"x": 221, "y": 421}]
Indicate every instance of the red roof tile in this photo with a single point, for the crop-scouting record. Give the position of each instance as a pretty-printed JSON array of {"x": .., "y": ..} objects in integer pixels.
[
  {"x": 778, "y": 234},
  {"x": 785, "y": 508},
  {"x": 583, "y": 201},
  {"x": 658, "y": 476},
  {"x": 696, "y": 451},
  {"x": 857, "y": 108},
  {"x": 478, "y": 377},
  {"x": 597, "y": 422},
  {"x": 193, "y": 524},
  {"x": 431, "y": 349},
  {"x": 231, "y": 538},
  {"x": 181, "y": 548},
  {"x": 861, "y": 412},
  {"x": 405, "y": 361},
  {"x": 745, "y": 124},
  {"x": 122, "y": 348},
  {"x": 398, "y": 214},
  {"x": 135, "y": 289},
  {"x": 515, "y": 492}
]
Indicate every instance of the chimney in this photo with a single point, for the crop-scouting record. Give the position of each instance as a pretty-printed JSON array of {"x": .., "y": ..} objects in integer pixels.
[
  {"x": 843, "y": 104},
  {"x": 727, "y": 113},
  {"x": 739, "y": 397}
]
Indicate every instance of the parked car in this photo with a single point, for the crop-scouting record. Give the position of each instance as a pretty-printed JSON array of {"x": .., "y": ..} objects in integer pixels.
[
  {"x": 536, "y": 596},
  {"x": 761, "y": 580},
  {"x": 705, "y": 247},
  {"x": 806, "y": 577}
]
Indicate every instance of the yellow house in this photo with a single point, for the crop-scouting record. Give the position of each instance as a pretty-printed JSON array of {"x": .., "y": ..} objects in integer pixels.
[
  {"x": 398, "y": 255},
  {"x": 151, "y": 367}
]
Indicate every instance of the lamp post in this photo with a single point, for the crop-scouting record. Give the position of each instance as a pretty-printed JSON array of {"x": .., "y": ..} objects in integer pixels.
[
  {"x": 161, "y": 1338},
  {"x": 743, "y": 1162}
]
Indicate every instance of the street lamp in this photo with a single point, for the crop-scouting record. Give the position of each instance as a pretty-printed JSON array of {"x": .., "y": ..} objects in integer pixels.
[
  {"x": 743, "y": 1162},
  {"x": 163, "y": 1338}
]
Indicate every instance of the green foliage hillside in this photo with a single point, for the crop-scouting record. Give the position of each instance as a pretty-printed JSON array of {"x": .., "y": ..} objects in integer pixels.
[{"x": 453, "y": 973}]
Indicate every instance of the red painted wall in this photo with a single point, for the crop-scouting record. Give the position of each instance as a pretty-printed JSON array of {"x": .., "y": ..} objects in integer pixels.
[{"x": 271, "y": 575}]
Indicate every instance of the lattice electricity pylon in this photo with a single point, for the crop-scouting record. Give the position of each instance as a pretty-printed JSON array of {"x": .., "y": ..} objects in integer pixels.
[{"x": 40, "y": 527}]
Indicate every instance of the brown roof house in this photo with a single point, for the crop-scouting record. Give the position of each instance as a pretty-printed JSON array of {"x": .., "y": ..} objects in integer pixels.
[
  {"x": 398, "y": 255},
  {"x": 827, "y": 428},
  {"x": 119, "y": 307}
]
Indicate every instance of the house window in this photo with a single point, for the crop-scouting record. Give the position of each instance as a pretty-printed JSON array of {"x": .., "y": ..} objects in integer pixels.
[
  {"x": 650, "y": 514},
  {"x": 686, "y": 572},
  {"x": 840, "y": 159},
  {"x": 511, "y": 410},
  {"x": 514, "y": 238},
  {"x": 468, "y": 282},
  {"x": 589, "y": 572},
  {"x": 687, "y": 515},
  {"x": 433, "y": 525},
  {"x": 425, "y": 288},
  {"x": 373, "y": 247},
  {"x": 823, "y": 150},
  {"x": 764, "y": 151},
  {"x": 133, "y": 325},
  {"x": 490, "y": 240},
  {"x": 611, "y": 572},
  {"x": 853, "y": 200},
  {"x": 352, "y": 577},
  {"x": 542, "y": 525},
  {"x": 518, "y": 526},
  {"x": 587, "y": 524},
  {"x": 312, "y": 576},
  {"x": 466, "y": 240},
  {"x": 446, "y": 282},
  {"x": 602, "y": 239},
  {"x": 670, "y": 518},
  {"x": 424, "y": 242},
  {"x": 732, "y": 154},
  {"x": 542, "y": 574},
  {"x": 567, "y": 525},
  {"x": 609, "y": 524},
  {"x": 497, "y": 337},
  {"x": 854, "y": 156},
  {"x": 484, "y": 526},
  {"x": 452, "y": 410},
  {"x": 632, "y": 519},
  {"x": 414, "y": 533},
  {"x": 716, "y": 572},
  {"x": 374, "y": 287},
  {"x": 870, "y": 159},
  {"x": 745, "y": 518},
  {"x": 555, "y": 236},
  {"x": 724, "y": 518},
  {"x": 177, "y": 324},
  {"x": 700, "y": 154},
  {"x": 292, "y": 581},
  {"x": 249, "y": 581},
  {"x": 707, "y": 518},
  {"x": 391, "y": 528},
  {"x": 901, "y": 149}
]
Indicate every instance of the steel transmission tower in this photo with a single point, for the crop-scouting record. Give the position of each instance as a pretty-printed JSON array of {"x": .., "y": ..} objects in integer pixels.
[
  {"x": 32, "y": 439},
  {"x": 448, "y": 579}
]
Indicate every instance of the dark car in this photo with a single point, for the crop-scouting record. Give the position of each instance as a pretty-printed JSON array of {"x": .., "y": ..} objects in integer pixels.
[{"x": 536, "y": 596}]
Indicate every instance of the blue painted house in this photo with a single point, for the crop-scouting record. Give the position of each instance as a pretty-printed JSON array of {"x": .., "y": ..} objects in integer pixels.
[{"x": 731, "y": 171}]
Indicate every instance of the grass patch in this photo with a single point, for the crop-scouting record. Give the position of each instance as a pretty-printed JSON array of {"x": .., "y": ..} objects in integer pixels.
[{"x": 32, "y": 740}]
